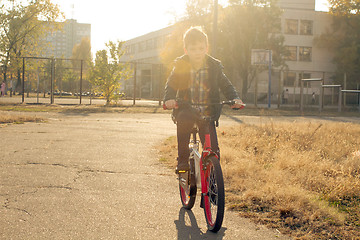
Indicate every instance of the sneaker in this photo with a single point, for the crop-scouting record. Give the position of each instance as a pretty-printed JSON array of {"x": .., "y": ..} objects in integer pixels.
[
  {"x": 183, "y": 166},
  {"x": 179, "y": 170}
]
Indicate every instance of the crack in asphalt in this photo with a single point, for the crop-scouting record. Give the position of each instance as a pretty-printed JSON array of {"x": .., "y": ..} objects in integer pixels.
[
  {"x": 10, "y": 198},
  {"x": 8, "y": 202}
]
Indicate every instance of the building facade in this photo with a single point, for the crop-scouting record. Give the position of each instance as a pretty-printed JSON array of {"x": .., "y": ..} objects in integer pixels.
[
  {"x": 61, "y": 43},
  {"x": 301, "y": 25},
  {"x": 145, "y": 52}
]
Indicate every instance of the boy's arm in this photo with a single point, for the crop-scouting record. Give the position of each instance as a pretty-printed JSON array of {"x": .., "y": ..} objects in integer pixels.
[
  {"x": 229, "y": 91},
  {"x": 227, "y": 88},
  {"x": 170, "y": 92}
]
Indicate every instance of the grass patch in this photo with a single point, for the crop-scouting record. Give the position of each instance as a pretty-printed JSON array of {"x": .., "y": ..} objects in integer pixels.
[
  {"x": 8, "y": 118},
  {"x": 301, "y": 178},
  {"x": 119, "y": 108},
  {"x": 80, "y": 109}
]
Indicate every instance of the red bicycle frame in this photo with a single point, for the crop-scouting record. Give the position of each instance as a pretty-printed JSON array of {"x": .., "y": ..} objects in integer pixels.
[{"x": 204, "y": 173}]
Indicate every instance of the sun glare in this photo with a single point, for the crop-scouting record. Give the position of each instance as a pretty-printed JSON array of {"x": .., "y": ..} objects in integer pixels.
[{"x": 123, "y": 20}]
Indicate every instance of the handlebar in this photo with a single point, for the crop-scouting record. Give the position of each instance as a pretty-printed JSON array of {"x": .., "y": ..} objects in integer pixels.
[{"x": 230, "y": 103}]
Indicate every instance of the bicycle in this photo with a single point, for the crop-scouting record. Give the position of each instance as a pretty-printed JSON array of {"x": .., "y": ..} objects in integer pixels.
[{"x": 205, "y": 173}]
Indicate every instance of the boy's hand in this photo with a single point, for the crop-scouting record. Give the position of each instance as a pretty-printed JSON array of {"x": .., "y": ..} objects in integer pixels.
[
  {"x": 171, "y": 104},
  {"x": 238, "y": 104}
]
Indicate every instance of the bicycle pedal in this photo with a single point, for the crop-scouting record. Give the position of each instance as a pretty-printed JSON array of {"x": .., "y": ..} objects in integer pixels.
[{"x": 180, "y": 171}]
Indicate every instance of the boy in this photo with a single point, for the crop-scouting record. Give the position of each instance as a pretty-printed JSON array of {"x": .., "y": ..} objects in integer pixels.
[{"x": 196, "y": 78}]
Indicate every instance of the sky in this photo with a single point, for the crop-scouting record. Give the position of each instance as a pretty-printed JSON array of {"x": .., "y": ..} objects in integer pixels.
[{"x": 126, "y": 19}]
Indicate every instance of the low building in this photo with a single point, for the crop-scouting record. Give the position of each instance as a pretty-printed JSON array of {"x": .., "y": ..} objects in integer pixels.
[{"x": 145, "y": 52}]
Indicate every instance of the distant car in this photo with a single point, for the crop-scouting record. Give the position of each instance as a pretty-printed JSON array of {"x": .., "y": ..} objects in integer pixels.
[
  {"x": 66, "y": 93},
  {"x": 121, "y": 95}
]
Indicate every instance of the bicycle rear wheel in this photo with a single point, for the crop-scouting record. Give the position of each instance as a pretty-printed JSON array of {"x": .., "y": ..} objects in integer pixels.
[
  {"x": 187, "y": 196},
  {"x": 214, "y": 200}
]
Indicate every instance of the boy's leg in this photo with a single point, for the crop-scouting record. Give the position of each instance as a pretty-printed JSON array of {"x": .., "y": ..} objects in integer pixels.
[
  {"x": 213, "y": 137},
  {"x": 185, "y": 122}
]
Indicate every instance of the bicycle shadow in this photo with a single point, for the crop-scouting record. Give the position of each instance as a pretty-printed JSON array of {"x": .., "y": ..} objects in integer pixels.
[{"x": 188, "y": 228}]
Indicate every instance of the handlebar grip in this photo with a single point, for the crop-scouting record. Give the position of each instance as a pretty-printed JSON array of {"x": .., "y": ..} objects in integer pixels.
[{"x": 166, "y": 108}]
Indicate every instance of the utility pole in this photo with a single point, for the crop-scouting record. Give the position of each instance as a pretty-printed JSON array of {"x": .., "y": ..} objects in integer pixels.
[{"x": 215, "y": 20}]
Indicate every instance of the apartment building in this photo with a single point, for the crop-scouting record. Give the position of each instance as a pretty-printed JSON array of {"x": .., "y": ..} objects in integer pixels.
[
  {"x": 61, "y": 43},
  {"x": 300, "y": 25}
]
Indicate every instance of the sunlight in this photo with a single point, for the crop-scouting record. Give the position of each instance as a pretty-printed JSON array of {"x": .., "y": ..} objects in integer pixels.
[
  {"x": 322, "y": 5},
  {"x": 123, "y": 20},
  {"x": 119, "y": 20}
]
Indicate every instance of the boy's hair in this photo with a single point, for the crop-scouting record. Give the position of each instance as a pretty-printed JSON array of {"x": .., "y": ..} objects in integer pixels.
[{"x": 194, "y": 35}]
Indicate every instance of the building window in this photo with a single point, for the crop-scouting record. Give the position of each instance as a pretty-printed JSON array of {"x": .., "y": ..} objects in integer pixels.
[
  {"x": 291, "y": 26},
  {"x": 289, "y": 79},
  {"x": 292, "y": 53},
  {"x": 305, "y": 54},
  {"x": 306, "y": 27}
]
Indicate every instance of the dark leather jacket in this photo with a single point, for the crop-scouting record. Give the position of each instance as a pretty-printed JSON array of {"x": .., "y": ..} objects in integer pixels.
[{"x": 178, "y": 83}]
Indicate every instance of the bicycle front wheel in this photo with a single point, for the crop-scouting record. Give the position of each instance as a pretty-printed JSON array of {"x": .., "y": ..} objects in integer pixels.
[{"x": 214, "y": 200}]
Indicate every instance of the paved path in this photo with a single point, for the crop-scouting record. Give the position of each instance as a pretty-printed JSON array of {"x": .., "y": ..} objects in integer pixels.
[{"x": 97, "y": 176}]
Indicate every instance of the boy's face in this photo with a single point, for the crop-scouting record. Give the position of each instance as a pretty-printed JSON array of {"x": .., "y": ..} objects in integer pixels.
[{"x": 196, "y": 52}]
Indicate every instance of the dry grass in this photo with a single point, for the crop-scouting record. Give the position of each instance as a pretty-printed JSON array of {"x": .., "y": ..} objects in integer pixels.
[
  {"x": 80, "y": 109},
  {"x": 301, "y": 178},
  {"x": 8, "y": 118}
]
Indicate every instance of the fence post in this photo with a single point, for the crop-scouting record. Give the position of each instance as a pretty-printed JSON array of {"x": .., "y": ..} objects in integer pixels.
[
  {"x": 345, "y": 87},
  {"x": 160, "y": 81},
  {"x": 269, "y": 90},
  {"x": 81, "y": 69},
  {"x": 23, "y": 82},
  {"x": 279, "y": 90},
  {"x": 321, "y": 98},
  {"x": 134, "y": 99},
  {"x": 340, "y": 97},
  {"x": 301, "y": 95},
  {"x": 52, "y": 81}
]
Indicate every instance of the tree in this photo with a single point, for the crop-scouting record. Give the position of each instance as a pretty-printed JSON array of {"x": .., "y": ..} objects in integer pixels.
[
  {"x": 344, "y": 39},
  {"x": 107, "y": 70},
  {"x": 244, "y": 25},
  {"x": 82, "y": 51},
  {"x": 257, "y": 27},
  {"x": 22, "y": 25}
]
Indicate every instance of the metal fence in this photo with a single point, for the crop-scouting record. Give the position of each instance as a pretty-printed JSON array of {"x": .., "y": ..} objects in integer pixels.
[{"x": 52, "y": 79}]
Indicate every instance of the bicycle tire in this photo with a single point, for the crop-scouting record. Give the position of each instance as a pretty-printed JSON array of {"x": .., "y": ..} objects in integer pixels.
[
  {"x": 214, "y": 200},
  {"x": 188, "y": 200}
]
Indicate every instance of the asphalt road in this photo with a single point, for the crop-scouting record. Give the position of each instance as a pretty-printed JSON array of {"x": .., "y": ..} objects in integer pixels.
[{"x": 97, "y": 176}]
